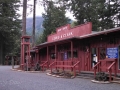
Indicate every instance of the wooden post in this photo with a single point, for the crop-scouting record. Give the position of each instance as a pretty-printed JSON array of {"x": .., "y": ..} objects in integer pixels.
[
  {"x": 47, "y": 56},
  {"x": 24, "y": 17},
  {"x": 55, "y": 55},
  {"x": 94, "y": 72},
  {"x": 115, "y": 68},
  {"x": 37, "y": 56},
  {"x": 25, "y": 45},
  {"x": 110, "y": 75},
  {"x": 23, "y": 56},
  {"x": 72, "y": 54},
  {"x": 33, "y": 32},
  {"x": 21, "y": 62},
  {"x": 23, "y": 32}
]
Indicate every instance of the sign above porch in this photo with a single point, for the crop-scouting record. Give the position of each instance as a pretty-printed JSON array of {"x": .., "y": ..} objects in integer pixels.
[{"x": 66, "y": 31}]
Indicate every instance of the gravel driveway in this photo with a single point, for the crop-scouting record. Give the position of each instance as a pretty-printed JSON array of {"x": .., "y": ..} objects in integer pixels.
[{"x": 14, "y": 80}]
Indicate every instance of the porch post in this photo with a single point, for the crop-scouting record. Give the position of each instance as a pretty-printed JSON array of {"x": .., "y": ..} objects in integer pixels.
[
  {"x": 27, "y": 57},
  {"x": 35, "y": 58},
  {"x": 47, "y": 57},
  {"x": 37, "y": 55},
  {"x": 22, "y": 53},
  {"x": 21, "y": 59},
  {"x": 72, "y": 54},
  {"x": 72, "y": 51},
  {"x": 55, "y": 55},
  {"x": 29, "y": 53},
  {"x": 39, "y": 60},
  {"x": 55, "y": 52},
  {"x": 115, "y": 68}
]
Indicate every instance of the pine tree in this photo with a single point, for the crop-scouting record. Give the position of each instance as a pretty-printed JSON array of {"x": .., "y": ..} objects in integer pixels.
[
  {"x": 9, "y": 27},
  {"x": 54, "y": 17},
  {"x": 101, "y": 13}
]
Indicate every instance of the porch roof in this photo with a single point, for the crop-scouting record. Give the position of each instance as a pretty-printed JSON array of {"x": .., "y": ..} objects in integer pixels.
[
  {"x": 32, "y": 51},
  {"x": 101, "y": 32},
  {"x": 81, "y": 37}
]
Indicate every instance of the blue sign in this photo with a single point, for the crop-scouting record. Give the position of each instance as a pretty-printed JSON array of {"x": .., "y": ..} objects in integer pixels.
[
  {"x": 112, "y": 52},
  {"x": 65, "y": 56}
]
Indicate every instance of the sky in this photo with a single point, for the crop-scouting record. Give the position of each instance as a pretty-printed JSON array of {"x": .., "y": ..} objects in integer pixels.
[{"x": 40, "y": 10}]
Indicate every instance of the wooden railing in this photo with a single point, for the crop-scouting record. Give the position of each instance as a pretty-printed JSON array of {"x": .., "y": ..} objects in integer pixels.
[
  {"x": 109, "y": 69},
  {"x": 52, "y": 64},
  {"x": 96, "y": 67},
  {"x": 65, "y": 64},
  {"x": 74, "y": 67},
  {"x": 44, "y": 64}
]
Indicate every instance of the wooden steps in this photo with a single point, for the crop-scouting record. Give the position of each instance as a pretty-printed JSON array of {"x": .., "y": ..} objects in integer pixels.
[{"x": 85, "y": 74}]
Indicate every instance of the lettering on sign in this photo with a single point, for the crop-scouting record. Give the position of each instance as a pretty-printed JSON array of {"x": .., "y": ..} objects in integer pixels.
[
  {"x": 112, "y": 52},
  {"x": 64, "y": 28},
  {"x": 65, "y": 56},
  {"x": 67, "y": 32},
  {"x": 59, "y": 30},
  {"x": 62, "y": 36}
]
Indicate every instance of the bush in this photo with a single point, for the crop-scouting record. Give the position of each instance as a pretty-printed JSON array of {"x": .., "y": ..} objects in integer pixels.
[{"x": 101, "y": 76}]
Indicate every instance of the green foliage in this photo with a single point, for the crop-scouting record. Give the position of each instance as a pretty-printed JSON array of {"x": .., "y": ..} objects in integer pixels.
[
  {"x": 73, "y": 24},
  {"x": 54, "y": 17},
  {"x": 102, "y": 13},
  {"x": 101, "y": 76},
  {"x": 10, "y": 26},
  {"x": 40, "y": 39}
]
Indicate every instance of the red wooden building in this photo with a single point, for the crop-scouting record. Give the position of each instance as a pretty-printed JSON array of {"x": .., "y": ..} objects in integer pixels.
[{"x": 80, "y": 49}]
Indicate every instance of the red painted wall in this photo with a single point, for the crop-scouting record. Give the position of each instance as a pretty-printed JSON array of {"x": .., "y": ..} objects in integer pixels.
[
  {"x": 101, "y": 41},
  {"x": 67, "y": 32}
]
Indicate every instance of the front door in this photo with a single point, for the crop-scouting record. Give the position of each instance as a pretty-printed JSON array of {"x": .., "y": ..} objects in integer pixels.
[
  {"x": 102, "y": 56},
  {"x": 94, "y": 57},
  {"x": 102, "y": 53},
  {"x": 62, "y": 56},
  {"x": 87, "y": 60}
]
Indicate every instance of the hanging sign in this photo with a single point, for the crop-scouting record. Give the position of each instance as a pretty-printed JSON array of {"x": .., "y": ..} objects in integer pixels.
[{"x": 112, "y": 52}]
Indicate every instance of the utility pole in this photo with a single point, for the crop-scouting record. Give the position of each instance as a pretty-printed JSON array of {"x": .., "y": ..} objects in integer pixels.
[
  {"x": 33, "y": 32},
  {"x": 24, "y": 17}
]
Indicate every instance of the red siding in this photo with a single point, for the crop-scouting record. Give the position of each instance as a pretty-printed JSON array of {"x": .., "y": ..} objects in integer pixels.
[{"x": 67, "y": 33}]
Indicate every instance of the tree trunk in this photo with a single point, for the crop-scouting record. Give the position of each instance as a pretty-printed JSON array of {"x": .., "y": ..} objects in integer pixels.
[
  {"x": 24, "y": 17},
  {"x": 33, "y": 33},
  {"x": 1, "y": 53}
]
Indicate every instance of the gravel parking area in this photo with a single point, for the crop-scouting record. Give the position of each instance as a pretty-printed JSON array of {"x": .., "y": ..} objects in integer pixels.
[{"x": 14, "y": 80}]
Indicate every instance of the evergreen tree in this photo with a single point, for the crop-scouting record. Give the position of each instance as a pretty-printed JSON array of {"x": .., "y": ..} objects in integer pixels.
[
  {"x": 101, "y": 13},
  {"x": 9, "y": 27},
  {"x": 54, "y": 17}
]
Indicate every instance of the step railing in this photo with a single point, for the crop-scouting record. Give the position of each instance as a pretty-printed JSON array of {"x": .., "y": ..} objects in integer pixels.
[
  {"x": 95, "y": 68},
  {"x": 62, "y": 64},
  {"x": 52, "y": 64},
  {"x": 74, "y": 67},
  {"x": 110, "y": 70},
  {"x": 43, "y": 65}
]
